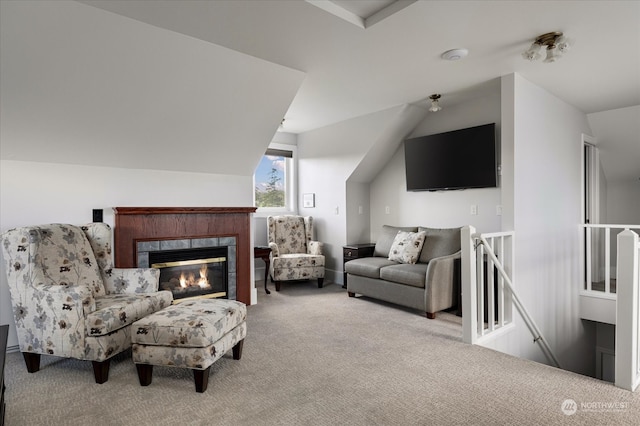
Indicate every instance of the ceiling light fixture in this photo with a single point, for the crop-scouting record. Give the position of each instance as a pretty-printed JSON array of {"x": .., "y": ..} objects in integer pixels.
[
  {"x": 435, "y": 106},
  {"x": 454, "y": 54},
  {"x": 555, "y": 42}
]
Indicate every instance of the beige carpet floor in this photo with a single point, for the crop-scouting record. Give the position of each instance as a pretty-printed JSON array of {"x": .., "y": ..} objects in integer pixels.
[{"x": 316, "y": 357}]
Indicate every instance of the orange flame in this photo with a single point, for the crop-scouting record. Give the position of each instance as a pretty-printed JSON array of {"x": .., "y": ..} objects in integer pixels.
[{"x": 190, "y": 279}]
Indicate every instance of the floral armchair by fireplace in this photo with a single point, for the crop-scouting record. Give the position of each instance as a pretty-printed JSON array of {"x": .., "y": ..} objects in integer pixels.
[
  {"x": 294, "y": 253},
  {"x": 68, "y": 300}
]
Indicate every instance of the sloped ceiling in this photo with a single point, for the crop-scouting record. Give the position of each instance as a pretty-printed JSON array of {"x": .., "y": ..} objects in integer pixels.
[
  {"x": 618, "y": 140},
  {"x": 84, "y": 86}
]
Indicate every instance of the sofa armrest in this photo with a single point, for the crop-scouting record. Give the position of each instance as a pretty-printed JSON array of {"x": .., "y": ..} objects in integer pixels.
[
  {"x": 275, "y": 252},
  {"x": 51, "y": 296},
  {"x": 131, "y": 280},
  {"x": 440, "y": 283},
  {"x": 315, "y": 247},
  {"x": 50, "y": 319}
]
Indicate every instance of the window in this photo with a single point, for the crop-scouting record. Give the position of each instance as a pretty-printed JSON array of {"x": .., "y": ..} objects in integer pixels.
[{"x": 274, "y": 180}]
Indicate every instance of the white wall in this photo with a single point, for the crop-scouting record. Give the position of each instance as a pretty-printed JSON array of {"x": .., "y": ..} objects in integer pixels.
[
  {"x": 35, "y": 193},
  {"x": 330, "y": 155},
  {"x": 541, "y": 156},
  {"x": 623, "y": 202},
  {"x": 442, "y": 209}
]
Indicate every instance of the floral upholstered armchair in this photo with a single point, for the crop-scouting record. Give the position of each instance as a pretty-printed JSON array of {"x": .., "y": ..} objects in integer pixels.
[
  {"x": 294, "y": 253},
  {"x": 68, "y": 300}
]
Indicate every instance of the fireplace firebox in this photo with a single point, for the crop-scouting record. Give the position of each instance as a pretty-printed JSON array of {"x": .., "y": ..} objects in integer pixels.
[{"x": 192, "y": 273}]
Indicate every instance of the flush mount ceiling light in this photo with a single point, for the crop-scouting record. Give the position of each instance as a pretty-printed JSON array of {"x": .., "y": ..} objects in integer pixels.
[
  {"x": 454, "y": 54},
  {"x": 555, "y": 43},
  {"x": 435, "y": 106}
]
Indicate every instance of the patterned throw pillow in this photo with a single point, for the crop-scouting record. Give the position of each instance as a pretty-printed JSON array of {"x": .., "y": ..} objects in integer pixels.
[{"x": 406, "y": 247}]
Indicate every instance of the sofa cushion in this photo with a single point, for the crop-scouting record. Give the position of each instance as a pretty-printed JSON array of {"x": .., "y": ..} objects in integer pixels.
[
  {"x": 367, "y": 266},
  {"x": 413, "y": 275},
  {"x": 406, "y": 247},
  {"x": 297, "y": 260},
  {"x": 439, "y": 242},
  {"x": 386, "y": 237},
  {"x": 115, "y": 311}
]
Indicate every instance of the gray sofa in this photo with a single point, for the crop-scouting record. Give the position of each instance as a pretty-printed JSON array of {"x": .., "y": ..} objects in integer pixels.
[{"x": 429, "y": 284}]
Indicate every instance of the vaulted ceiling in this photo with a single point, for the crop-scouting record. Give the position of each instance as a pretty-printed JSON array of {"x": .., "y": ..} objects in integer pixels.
[
  {"x": 353, "y": 71},
  {"x": 107, "y": 73}
]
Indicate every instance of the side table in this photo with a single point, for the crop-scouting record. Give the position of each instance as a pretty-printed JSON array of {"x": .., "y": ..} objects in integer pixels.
[
  {"x": 263, "y": 252},
  {"x": 355, "y": 251}
]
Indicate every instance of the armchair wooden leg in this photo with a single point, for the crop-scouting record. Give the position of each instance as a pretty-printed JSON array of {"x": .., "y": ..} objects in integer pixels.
[
  {"x": 32, "y": 360},
  {"x": 277, "y": 285},
  {"x": 101, "y": 370},
  {"x": 351, "y": 294},
  {"x": 320, "y": 282},
  {"x": 431, "y": 315}
]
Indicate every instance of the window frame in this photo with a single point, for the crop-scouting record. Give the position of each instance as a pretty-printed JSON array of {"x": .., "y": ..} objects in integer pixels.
[{"x": 290, "y": 187}]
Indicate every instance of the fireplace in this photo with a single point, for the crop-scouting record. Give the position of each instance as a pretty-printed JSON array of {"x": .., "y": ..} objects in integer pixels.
[
  {"x": 192, "y": 273},
  {"x": 213, "y": 257},
  {"x": 141, "y": 231}
]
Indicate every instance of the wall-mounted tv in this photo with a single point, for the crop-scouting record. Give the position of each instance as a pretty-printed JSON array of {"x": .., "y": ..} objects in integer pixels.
[{"x": 459, "y": 159}]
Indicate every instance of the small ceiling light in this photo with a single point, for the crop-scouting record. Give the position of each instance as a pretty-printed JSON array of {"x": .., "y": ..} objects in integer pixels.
[
  {"x": 435, "y": 106},
  {"x": 454, "y": 54},
  {"x": 555, "y": 43}
]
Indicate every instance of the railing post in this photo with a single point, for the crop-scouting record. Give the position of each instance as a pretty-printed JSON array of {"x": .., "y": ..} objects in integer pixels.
[
  {"x": 469, "y": 286},
  {"x": 626, "y": 362}
]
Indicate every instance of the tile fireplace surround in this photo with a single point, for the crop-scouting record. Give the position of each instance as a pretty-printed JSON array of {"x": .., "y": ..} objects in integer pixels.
[{"x": 135, "y": 226}]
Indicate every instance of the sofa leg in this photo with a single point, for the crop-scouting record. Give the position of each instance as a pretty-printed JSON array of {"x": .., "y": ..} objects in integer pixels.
[
  {"x": 431, "y": 315},
  {"x": 32, "y": 360},
  {"x": 351, "y": 294},
  {"x": 201, "y": 378},
  {"x": 320, "y": 282},
  {"x": 101, "y": 370},
  {"x": 145, "y": 374},
  {"x": 277, "y": 285},
  {"x": 237, "y": 350}
]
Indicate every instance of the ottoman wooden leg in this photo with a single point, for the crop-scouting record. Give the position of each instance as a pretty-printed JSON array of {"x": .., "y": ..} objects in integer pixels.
[
  {"x": 237, "y": 350},
  {"x": 145, "y": 374},
  {"x": 201, "y": 378}
]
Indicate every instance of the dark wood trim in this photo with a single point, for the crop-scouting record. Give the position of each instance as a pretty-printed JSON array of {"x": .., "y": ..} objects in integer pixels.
[
  {"x": 178, "y": 210},
  {"x": 133, "y": 224}
]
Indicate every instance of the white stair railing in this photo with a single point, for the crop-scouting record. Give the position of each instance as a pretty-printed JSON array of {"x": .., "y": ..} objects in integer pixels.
[
  {"x": 598, "y": 259},
  {"x": 488, "y": 252},
  {"x": 627, "y": 362}
]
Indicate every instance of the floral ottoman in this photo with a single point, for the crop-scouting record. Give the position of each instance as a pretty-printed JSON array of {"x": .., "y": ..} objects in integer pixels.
[{"x": 191, "y": 334}]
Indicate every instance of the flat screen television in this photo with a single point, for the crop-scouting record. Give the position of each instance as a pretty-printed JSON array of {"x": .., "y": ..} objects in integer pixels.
[{"x": 459, "y": 159}]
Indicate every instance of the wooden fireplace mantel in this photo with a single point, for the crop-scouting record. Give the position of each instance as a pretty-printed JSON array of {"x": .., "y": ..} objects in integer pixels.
[{"x": 134, "y": 224}]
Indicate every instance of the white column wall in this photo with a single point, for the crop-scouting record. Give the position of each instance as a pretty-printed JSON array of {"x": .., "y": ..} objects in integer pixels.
[{"x": 541, "y": 157}]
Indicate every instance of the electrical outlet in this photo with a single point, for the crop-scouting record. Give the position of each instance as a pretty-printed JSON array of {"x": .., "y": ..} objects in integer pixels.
[
  {"x": 498, "y": 210},
  {"x": 360, "y": 210},
  {"x": 336, "y": 210},
  {"x": 387, "y": 210},
  {"x": 97, "y": 215},
  {"x": 474, "y": 209}
]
